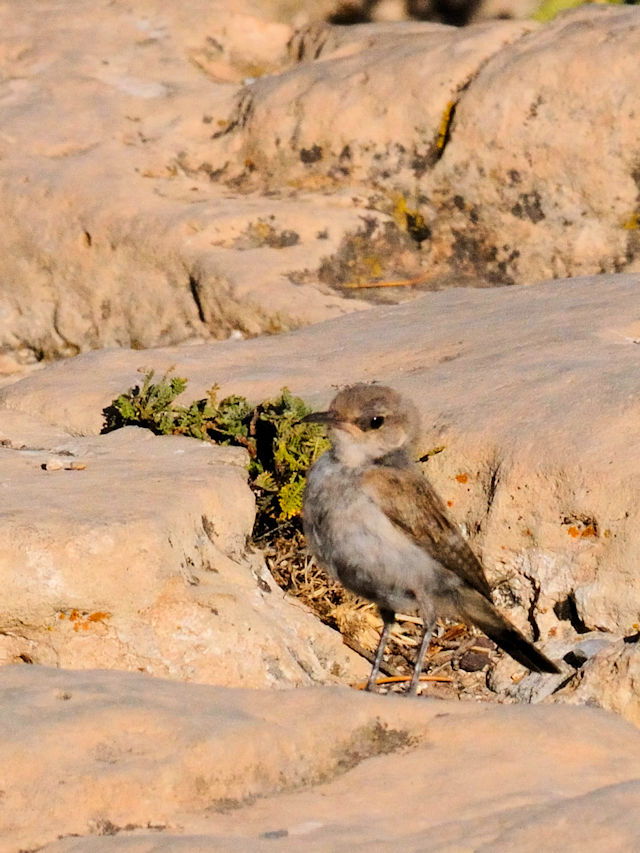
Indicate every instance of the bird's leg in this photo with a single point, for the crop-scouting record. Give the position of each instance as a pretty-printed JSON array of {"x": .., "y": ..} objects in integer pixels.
[
  {"x": 429, "y": 619},
  {"x": 388, "y": 617}
]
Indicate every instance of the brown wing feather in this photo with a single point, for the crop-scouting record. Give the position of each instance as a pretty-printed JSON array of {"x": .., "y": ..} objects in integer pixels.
[{"x": 411, "y": 503}]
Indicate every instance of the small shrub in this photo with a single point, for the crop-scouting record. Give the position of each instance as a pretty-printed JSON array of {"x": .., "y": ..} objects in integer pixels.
[{"x": 149, "y": 405}]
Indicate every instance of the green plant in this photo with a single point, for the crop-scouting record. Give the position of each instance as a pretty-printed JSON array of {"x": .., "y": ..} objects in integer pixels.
[
  {"x": 548, "y": 9},
  {"x": 149, "y": 405},
  {"x": 285, "y": 448},
  {"x": 280, "y": 447}
]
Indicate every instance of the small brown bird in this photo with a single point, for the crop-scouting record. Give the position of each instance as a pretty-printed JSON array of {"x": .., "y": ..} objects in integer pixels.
[{"x": 378, "y": 526}]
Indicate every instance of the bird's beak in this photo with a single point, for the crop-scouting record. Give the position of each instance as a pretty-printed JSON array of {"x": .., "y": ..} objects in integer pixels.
[{"x": 328, "y": 418}]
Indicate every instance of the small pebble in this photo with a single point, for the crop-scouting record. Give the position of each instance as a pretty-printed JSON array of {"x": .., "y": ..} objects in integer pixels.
[
  {"x": 58, "y": 465},
  {"x": 473, "y": 661}
]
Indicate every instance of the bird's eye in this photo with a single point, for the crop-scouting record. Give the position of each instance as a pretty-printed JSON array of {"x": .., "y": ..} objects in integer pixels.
[{"x": 376, "y": 422}]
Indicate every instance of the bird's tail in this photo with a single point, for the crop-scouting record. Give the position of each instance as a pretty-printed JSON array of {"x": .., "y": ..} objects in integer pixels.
[{"x": 482, "y": 613}]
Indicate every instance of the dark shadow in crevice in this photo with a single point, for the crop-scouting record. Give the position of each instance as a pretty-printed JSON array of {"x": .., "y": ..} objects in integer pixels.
[
  {"x": 456, "y": 13},
  {"x": 567, "y": 611},
  {"x": 194, "y": 287}
]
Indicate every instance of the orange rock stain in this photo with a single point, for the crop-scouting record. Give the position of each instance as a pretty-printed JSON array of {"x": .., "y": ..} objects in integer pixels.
[{"x": 82, "y": 620}]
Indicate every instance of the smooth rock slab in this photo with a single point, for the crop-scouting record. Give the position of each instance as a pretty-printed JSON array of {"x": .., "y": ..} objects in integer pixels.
[
  {"x": 366, "y": 104},
  {"x": 556, "y": 189},
  {"x": 152, "y": 765},
  {"x": 134, "y": 134},
  {"x": 107, "y": 237},
  {"x": 516, "y": 177},
  {"x": 130, "y": 552}
]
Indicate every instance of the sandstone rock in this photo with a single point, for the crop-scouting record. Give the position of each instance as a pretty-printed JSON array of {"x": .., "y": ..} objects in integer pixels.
[
  {"x": 549, "y": 209},
  {"x": 119, "y": 761},
  {"x": 128, "y": 551},
  {"x": 128, "y": 223},
  {"x": 610, "y": 679},
  {"x": 12, "y": 367},
  {"x": 19, "y": 431},
  {"x": 108, "y": 238},
  {"x": 503, "y": 163},
  {"x": 353, "y": 122},
  {"x": 572, "y": 653}
]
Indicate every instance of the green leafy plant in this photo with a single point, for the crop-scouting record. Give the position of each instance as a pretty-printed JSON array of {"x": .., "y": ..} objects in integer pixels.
[
  {"x": 148, "y": 405},
  {"x": 280, "y": 447},
  {"x": 285, "y": 448}
]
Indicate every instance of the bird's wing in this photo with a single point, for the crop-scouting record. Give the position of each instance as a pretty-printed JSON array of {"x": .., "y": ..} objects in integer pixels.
[{"x": 410, "y": 502}]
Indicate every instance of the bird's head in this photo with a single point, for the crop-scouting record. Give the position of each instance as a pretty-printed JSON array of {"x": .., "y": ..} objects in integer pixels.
[{"x": 367, "y": 423}]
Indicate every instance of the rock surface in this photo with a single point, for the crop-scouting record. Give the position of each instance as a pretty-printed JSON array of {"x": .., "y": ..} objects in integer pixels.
[
  {"x": 497, "y": 157},
  {"x": 187, "y": 171},
  {"x": 95, "y": 761},
  {"x": 129, "y": 551},
  {"x": 106, "y": 239},
  {"x": 609, "y": 679},
  {"x": 176, "y": 173}
]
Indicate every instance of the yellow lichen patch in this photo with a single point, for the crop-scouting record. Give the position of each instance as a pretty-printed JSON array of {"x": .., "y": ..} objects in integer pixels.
[
  {"x": 373, "y": 265},
  {"x": 462, "y": 478},
  {"x": 399, "y": 211},
  {"x": 445, "y": 121},
  {"x": 409, "y": 219},
  {"x": 433, "y": 452},
  {"x": 633, "y": 223},
  {"x": 548, "y": 9},
  {"x": 260, "y": 230},
  {"x": 394, "y": 282}
]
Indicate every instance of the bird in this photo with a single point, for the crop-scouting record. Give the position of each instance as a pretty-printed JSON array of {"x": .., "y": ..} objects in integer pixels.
[{"x": 378, "y": 526}]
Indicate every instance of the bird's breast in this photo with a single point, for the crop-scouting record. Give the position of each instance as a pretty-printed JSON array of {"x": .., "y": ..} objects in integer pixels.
[{"x": 352, "y": 537}]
